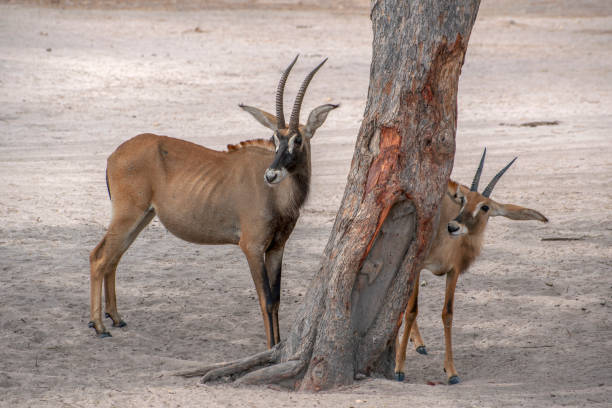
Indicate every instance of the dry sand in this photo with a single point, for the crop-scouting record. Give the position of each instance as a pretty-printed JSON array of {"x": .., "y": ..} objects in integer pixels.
[{"x": 532, "y": 319}]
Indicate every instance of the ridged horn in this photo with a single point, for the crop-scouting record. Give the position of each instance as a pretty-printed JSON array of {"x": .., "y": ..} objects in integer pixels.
[
  {"x": 478, "y": 172},
  {"x": 489, "y": 189},
  {"x": 294, "y": 121},
  {"x": 280, "y": 90}
]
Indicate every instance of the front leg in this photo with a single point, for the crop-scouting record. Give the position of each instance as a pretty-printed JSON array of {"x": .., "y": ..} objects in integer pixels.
[
  {"x": 274, "y": 263},
  {"x": 255, "y": 258},
  {"x": 447, "y": 321}
]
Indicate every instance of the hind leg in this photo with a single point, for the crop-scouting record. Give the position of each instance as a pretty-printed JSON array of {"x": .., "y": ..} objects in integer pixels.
[
  {"x": 124, "y": 228},
  {"x": 109, "y": 279},
  {"x": 412, "y": 310},
  {"x": 417, "y": 340},
  {"x": 111, "y": 300}
]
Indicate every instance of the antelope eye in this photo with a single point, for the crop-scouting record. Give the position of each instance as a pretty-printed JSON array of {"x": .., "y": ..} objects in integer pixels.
[
  {"x": 485, "y": 208},
  {"x": 298, "y": 140}
]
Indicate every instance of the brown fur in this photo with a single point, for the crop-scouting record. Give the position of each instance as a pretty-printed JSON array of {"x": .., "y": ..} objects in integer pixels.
[
  {"x": 452, "y": 255},
  {"x": 202, "y": 196},
  {"x": 249, "y": 196}
]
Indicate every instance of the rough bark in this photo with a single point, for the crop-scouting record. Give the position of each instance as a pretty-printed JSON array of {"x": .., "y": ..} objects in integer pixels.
[{"x": 402, "y": 160}]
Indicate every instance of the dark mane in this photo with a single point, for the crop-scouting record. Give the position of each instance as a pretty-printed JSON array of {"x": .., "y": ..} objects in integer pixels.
[{"x": 302, "y": 181}]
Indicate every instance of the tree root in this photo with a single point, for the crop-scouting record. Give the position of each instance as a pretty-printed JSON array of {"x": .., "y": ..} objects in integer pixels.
[
  {"x": 215, "y": 371},
  {"x": 273, "y": 374}
]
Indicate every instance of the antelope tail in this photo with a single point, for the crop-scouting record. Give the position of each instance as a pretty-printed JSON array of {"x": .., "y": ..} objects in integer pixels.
[{"x": 107, "y": 186}]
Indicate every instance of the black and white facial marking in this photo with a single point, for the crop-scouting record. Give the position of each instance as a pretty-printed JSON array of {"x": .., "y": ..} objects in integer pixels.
[
  {"x": 456, "y": 227},
  {"x": 473, "y": 214},
  {"x": 288, "y": 155}
]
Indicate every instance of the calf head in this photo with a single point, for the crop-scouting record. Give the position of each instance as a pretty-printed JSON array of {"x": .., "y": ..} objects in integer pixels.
[{"x": 476, "y": 208}]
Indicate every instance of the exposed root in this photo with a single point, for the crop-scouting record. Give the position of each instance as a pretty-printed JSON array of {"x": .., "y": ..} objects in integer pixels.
[
  {"x": 219, "y": 370},
  {"x": 266, "y": 366},
  {"x": 198, "y": 372},
  {"x": 273, "y": 374}
]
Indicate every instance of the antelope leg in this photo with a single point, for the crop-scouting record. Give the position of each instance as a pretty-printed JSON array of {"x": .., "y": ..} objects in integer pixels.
[
  {"x": 274, "y": 262},
  {"x": 415, "y": 337},
  {"x": 122, "y": 231},
  {"x": 409, "y": 319},
  {"x": 255, "y": 258},
  {"x": 447, "y": 320}
]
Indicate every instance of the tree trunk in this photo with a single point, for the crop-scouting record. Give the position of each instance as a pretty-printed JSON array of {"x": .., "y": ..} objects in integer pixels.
[{"x": 403, "y": 158}]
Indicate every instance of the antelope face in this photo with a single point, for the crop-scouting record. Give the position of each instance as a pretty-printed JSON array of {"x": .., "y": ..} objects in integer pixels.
[
  {"x": 292, "y": 141},
  {"x": 476, "y": 208},
  {"x": 291, "y": 153},
  {"x": 473, "y": 214}
]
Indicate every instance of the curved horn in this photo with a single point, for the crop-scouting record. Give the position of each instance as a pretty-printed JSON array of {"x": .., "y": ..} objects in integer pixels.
[
  {"x": 478, "y": 172},
  {"x": 294, "y": 121},
  {"x": 489, "y": 189},
  {"x": 280, "y": 90}
]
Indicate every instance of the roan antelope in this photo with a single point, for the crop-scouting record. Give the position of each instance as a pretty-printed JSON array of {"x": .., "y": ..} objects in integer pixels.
[
  {"x": 250, "y": 196},
  {"x": 464, "y": 214}
]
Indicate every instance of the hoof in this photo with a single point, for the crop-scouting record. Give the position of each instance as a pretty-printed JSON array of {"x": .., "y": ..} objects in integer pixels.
[
  {"x": 453, "y": 380},
  {"x": 399, "y": 376},
  {"x": 102, "y": 335},
  {"x": 421, "y": 350},
  {"x": 120, "y": 324}
]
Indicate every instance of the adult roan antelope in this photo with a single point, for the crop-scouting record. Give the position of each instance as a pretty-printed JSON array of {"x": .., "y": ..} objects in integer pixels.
[
  {"x": 464, "y": 214},
  {"x": 250, "y": 196}
]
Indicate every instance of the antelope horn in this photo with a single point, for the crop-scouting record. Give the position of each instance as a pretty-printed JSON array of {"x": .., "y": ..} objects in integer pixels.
[
  {"x": 294, "y": 121},
  {"x": 489, "y": 189},
  {"x": 478, "y": 172},
  {"x": 280, "y": 90}
]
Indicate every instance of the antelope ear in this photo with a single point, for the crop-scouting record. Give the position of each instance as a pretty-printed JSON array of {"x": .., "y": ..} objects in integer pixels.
[
  {"x": 316, "y": 118},
  {"x": 452, "y": 189},
  {"x": 516, "y": 212},
  {"x": 265, "y": 118}
]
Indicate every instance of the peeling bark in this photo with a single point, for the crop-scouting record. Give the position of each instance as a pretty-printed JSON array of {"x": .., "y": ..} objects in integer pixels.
[{"x": 403, "y": 157}]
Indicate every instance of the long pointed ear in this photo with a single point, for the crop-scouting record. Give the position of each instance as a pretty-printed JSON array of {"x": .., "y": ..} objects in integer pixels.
[
  {"x": 453, "y": 190},
  {"x": 316, "y": 118},
  {"x": 516, "y": 212},
  {"x": 265, "y": 118}
]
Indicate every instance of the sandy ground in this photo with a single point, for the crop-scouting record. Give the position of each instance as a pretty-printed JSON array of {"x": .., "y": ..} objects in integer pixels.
[{"x": 532, "y": 319}]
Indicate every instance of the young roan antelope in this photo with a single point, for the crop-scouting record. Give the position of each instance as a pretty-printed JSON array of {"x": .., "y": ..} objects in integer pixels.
[
  {"x": 250, "y": 196},
  {"x": 464, "y": 214}
]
